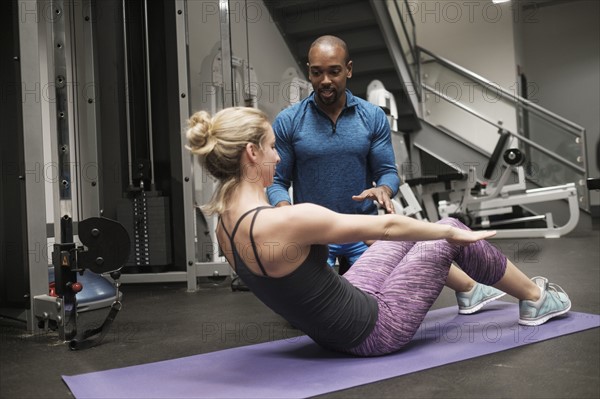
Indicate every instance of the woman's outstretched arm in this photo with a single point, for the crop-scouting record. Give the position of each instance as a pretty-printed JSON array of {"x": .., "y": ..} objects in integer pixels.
[{"x": 312, "y": 224}]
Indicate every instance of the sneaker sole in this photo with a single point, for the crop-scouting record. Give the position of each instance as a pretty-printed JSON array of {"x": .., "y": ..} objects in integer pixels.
[
  {"x": 480, "y": 305},
  {"x": 542, "y": 320}
]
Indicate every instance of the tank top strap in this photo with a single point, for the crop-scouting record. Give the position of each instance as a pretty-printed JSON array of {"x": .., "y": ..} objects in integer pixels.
[
  {"x": 262, "y": 268},
  {"x": 224, "y": 228},
  {"x": 237, "y": 225},
  {"x": 234, "y": 231}
]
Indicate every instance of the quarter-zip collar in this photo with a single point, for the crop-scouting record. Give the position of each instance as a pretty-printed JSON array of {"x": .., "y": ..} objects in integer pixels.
[{"x": 350, "y": 103}]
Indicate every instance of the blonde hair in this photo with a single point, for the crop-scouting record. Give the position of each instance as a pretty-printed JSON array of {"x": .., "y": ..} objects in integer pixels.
[{"x": 219, "y": 142}]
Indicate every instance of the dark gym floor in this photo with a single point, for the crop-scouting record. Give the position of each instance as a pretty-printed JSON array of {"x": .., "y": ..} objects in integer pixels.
[{"x": 164, "y": 321}]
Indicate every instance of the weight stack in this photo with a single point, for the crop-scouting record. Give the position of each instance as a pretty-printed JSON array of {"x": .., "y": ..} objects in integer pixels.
[{"x": 146, "y": 217}]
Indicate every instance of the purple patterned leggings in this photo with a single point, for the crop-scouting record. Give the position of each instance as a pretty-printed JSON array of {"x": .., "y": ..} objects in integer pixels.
[{"x": 407, "y": 277}]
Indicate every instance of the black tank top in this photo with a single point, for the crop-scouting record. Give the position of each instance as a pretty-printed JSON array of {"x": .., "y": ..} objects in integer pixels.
[{"x": 313, "y": 298}]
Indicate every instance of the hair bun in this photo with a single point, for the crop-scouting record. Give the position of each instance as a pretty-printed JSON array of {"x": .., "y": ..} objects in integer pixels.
[{"x": 200, "y": 133}]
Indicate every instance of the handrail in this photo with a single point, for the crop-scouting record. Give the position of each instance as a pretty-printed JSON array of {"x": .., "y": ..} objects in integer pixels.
[
  {"x": 512, "y": 99},
  {"x": 411, "y": 45},
  {"x": 520, "y": 137},
  {"x": 402, "y": 31},
  {"x": 505, "y": 94},
  {"x": 411, "y": 40},
  {"x": 412, "y": 20},
  {"x": 384, "y": 19}
]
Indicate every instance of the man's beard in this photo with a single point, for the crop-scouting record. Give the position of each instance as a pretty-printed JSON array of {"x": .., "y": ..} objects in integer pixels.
[{"x": 329, "y": 100}]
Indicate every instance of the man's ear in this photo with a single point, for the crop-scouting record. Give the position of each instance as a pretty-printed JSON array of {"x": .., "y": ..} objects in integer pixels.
[{"x": 349, "y": 68}]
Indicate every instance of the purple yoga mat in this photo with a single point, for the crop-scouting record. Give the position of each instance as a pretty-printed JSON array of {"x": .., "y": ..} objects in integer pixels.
[{"x": 298, "y": 368}]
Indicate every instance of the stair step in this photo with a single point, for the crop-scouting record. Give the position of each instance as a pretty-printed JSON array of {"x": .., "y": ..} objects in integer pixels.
[
  {"x": 304, "y": 31},
  {"x": 358, "y": 40},
  {"x": 372, "y": 61},
  {"x": 288, "y": 10},
  {"x": 285, "y": 7},
  {"x": 328, "y": 18}
]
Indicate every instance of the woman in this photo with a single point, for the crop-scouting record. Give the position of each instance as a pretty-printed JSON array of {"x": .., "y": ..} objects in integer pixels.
[{"x": 281, "y": 253}]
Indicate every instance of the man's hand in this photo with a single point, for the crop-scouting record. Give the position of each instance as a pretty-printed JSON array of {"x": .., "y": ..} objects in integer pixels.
[{"x": 381, "y": 194}]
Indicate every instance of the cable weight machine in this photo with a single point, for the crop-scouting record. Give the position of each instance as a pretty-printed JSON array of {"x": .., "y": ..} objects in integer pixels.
[{"x": 105, "y": 244}]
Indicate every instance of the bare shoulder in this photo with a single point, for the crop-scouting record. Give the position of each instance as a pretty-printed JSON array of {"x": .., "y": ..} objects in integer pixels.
[
  {"x": 305, "y": 208},
  {"x": 303, "y": 213},
  {"x": 295, "y": 218}
]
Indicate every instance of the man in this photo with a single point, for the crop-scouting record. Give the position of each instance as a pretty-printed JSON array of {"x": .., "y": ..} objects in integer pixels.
[{"x": 335, "y": 148}]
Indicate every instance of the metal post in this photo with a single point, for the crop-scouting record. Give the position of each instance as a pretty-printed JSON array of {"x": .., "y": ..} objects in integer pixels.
[
  {"x": 186, "y": 157},
  {"x": 64, "y": 246},
  {"x": 86, "y": 133},
  {"x": 148, "y": 95},
  {"x": 31, "y": 33},
  {"x": 226, "y": 58},
  {"x": 127, "y": 99}
]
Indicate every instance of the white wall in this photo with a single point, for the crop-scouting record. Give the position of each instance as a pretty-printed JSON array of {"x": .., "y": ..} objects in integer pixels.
[
  {"x": 269, "y": 55},
  {"x": 559, "y": 52},
  {"x": 477, "y": 35}
]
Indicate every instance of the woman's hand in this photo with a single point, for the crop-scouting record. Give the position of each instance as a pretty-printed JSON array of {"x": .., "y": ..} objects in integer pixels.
[{"x": 466, "y": 237}]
